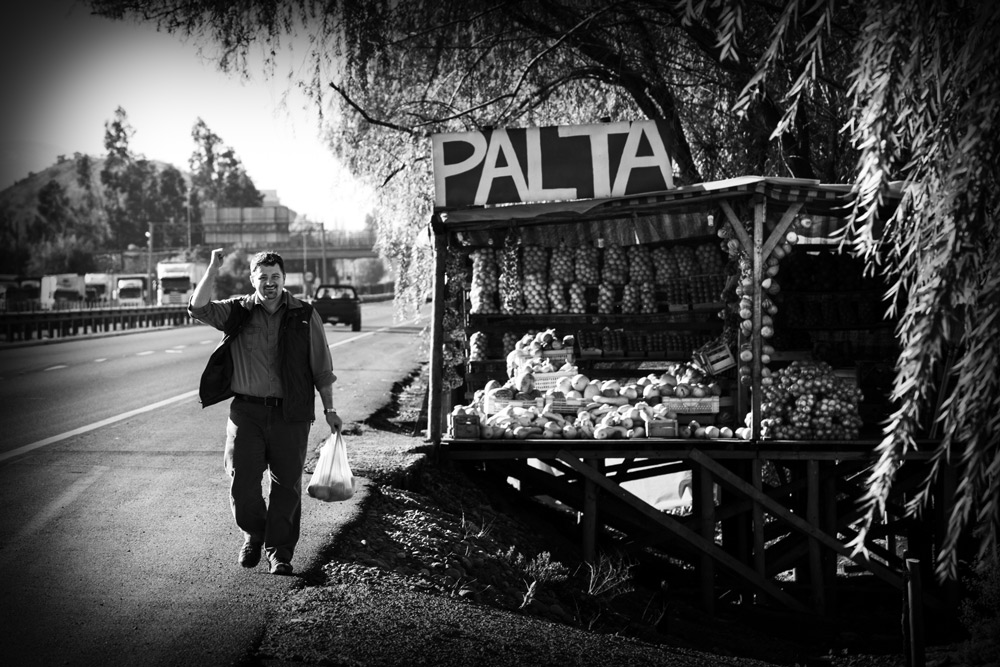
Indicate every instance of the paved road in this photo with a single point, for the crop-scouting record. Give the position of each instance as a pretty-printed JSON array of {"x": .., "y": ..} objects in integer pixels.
[{"x": 116, "y": 543}]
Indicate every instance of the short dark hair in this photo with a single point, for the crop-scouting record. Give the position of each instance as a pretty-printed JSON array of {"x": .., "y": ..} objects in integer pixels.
[{"x": 267, "y": 258}]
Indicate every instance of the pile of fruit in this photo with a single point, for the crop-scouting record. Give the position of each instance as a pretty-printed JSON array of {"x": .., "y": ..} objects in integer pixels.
[
  {"x": 485, "y": 277},
  {"x": 614, "y": 269},
  {"x": 590, "y": 408},
  {"x": 529, "y": 352},
  {"x": 807, "y": 401}
]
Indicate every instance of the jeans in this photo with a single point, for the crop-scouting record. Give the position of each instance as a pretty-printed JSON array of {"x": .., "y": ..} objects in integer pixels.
[{"x": 257, "y": 439}]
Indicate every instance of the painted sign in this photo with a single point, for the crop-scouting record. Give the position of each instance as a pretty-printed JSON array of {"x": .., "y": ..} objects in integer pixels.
[{"x": 550, "y": 163}]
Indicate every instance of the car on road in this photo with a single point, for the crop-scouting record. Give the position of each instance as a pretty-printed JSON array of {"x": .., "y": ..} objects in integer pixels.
[{"x": 338, "y": 304}]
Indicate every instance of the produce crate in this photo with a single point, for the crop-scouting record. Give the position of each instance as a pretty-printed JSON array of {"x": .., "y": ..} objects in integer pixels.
[
  {"x": 716, "y": 357},
  {"x": 662, "y": 429},
  {"x": 546, "y": 381},
  {"x": 690, "y": 405},
  {"x": 493, "y": 405},
  {"x": 463, "y": 427},
  {"x": 568, "y": 406}
]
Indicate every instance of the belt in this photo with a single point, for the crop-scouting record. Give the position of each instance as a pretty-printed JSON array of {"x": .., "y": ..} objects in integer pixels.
[{"x": 268, "y": 401}]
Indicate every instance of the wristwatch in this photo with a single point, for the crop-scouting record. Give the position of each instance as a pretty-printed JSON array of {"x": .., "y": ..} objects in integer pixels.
[{"x": 327, "y": 411}]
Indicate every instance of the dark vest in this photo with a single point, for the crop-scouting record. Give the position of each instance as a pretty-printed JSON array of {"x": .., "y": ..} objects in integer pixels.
[{"x": 293, "y": 357}]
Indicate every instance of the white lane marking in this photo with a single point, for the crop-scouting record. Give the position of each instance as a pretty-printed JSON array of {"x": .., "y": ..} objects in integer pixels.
[
  {"x": 96, "y": 425},
  {"x": 97, "y": 361},
  {"x": 359, "y": 337},
  {"x": 174, "y": 351},
  {"x": 143, "y": 354},
  {"x": 49, "y": 512},
  {"x": 55, "y": 368},
  {"x": 206, "y": 342}
]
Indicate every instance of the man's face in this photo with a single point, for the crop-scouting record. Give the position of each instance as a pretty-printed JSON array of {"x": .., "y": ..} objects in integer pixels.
[{"x": 267, "y": 281}]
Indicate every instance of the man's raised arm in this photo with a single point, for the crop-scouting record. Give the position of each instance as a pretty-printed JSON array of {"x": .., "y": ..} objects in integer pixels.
[{"x": 206, "y": 286}]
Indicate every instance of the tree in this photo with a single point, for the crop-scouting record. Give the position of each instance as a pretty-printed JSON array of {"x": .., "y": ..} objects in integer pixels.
[
  {"x": 749, "y": 88},
  {"x": 387, "y": 74},
  {"x": 55, "y": 215},
  {"x": 114, "y": 176},
  {"x": 217, "y": 173},
  {"x": 173, "y": 195}
]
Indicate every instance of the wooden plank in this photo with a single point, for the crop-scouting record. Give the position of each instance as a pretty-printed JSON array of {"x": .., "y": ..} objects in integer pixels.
[
  {"x": 800, "y": 524},
  {"x": 688, "y": 536}
]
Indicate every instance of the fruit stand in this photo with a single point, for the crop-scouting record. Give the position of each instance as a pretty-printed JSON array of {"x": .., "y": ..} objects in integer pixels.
[{"x": 708, "y": 330}]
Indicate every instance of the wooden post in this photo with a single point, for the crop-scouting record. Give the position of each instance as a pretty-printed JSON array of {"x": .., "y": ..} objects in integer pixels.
[
  {"x": 704, "y": 500},
  {"x": 435, "y": 383},
  {"x": 815, "y": 555},
  {"x": 915, "y": 614},
  {"x": 757, "y": 477},
  {"x": 828, "y": 509},
  {"x": 759, "y": 213},
  {"x": 590, "y": 518}
]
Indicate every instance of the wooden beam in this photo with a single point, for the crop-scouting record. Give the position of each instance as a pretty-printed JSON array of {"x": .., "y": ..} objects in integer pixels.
[
  {"x": 690, "y": 537},
  {"x": 800, "y": 524}
]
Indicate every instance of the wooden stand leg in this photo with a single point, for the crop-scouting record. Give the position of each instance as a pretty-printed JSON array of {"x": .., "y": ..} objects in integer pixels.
[
  {"x": 704, "y": 490},
  {"x": 757, "y": 476},
  {"x": 815, "y": 553}
]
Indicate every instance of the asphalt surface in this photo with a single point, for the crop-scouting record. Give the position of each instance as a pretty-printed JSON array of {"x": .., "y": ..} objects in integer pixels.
[{"x": 116, "y": 541}]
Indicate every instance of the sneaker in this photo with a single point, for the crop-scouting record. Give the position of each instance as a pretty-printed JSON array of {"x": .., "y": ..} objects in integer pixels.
[
  {"x": 281, "y": 567},
  {"x": 250, "y": 554}
]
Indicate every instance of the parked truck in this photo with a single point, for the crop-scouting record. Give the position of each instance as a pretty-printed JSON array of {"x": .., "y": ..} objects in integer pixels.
[
  {"x": 177, "y": 280},
  {"x": 132, "y": 290},
  {"x": 100, "y": 288},
  {"x": 62, "y": 290}
]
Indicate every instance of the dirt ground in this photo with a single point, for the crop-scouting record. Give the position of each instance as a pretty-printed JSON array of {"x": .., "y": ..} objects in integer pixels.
[{"x": 447, "y": 568}]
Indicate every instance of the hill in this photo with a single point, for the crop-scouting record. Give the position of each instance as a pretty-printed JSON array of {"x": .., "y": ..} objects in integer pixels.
[{"x": 80, "y": 221}]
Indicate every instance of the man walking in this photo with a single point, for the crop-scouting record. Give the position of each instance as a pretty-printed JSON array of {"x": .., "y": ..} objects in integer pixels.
[{"x": 279, "y": 357}]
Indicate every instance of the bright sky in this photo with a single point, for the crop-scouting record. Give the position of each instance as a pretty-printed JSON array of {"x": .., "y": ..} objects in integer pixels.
[{"x": 63, "y": 73}]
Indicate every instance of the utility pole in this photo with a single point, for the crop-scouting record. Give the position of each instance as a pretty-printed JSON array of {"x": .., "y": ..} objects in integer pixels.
[
  {"x": 149, "y": 263},
  {"x": 322, "y": 242}
]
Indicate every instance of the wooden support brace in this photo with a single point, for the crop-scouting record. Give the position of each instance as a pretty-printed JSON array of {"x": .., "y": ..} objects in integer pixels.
[
  {"x": 780, "y": 229},
  {"x": 726, "y": 477},
  {"x": 737, "y": 226},
  {"x": 689, "y": 536}
]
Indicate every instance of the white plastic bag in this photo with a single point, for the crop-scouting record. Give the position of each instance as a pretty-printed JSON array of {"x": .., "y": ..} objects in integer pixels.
[{"x": 332, "y": 479}]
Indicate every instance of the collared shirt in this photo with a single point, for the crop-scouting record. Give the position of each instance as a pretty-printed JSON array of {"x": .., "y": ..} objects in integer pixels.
[{"x": 256, "y": 370}]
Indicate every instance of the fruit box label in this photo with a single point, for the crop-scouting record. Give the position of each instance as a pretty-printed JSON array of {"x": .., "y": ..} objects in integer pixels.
[{"x": 551, "y": 163}]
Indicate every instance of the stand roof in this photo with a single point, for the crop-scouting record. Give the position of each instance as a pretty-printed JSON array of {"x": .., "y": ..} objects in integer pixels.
[{"x": 688, "y": 211}]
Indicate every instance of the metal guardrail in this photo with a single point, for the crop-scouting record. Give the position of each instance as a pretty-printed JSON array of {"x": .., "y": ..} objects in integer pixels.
[
  {"x": 55, "y": 324},
  {"x": 52, "y": 324}
]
